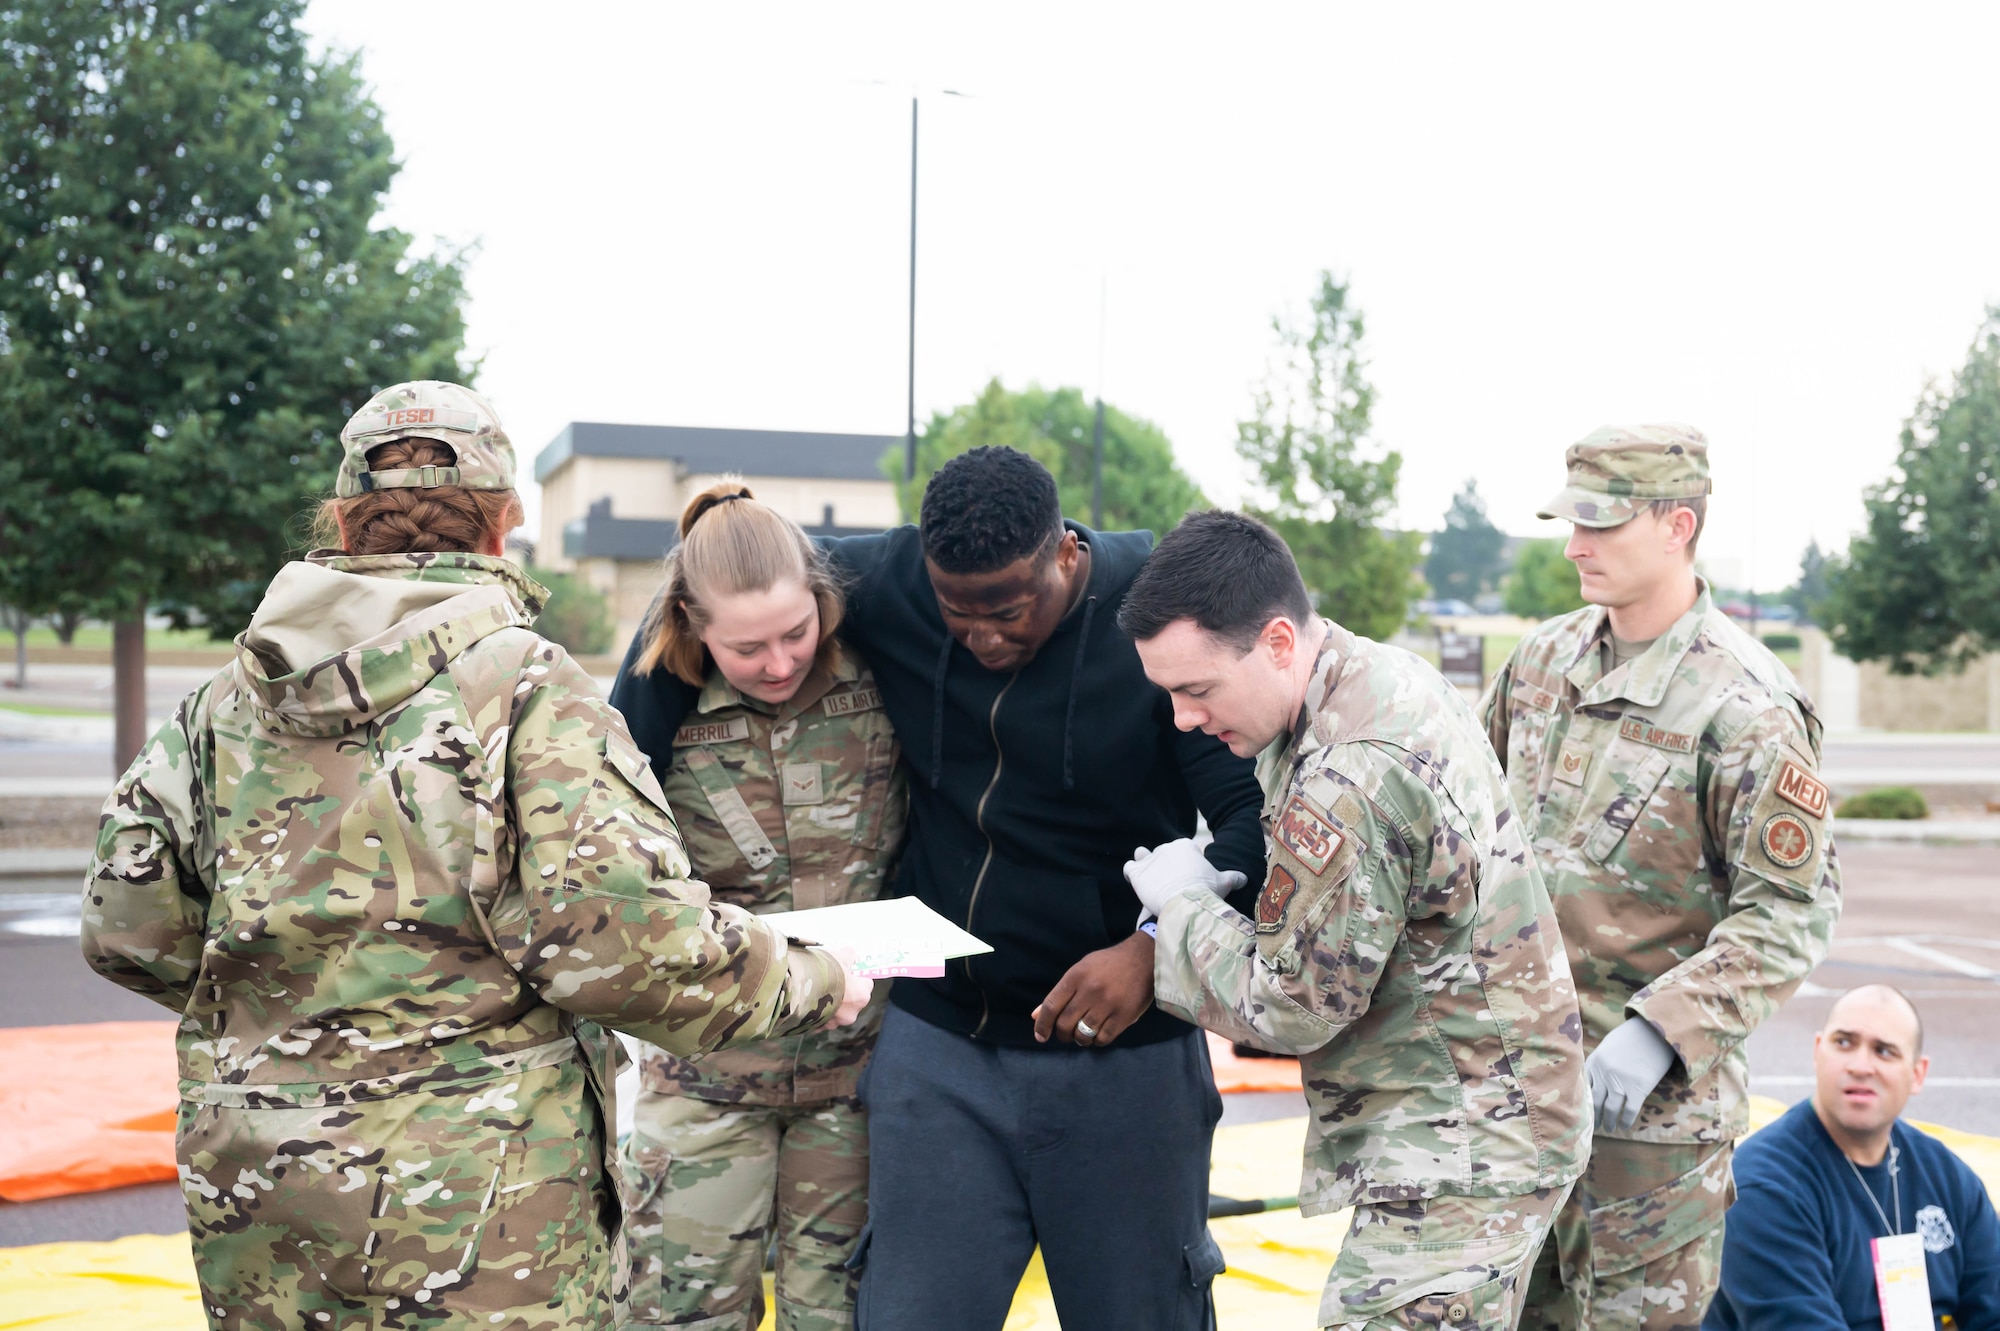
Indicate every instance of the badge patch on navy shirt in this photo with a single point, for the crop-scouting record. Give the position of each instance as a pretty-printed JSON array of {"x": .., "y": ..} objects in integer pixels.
[
  {"x": 1305, "y": 832},
  {"x": 1275, "y": 899}
]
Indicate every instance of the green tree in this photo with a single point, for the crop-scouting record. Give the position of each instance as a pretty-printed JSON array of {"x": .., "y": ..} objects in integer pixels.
[
  {"x": 1465, "y": 556},
  {"x": 1308, "y": 449},
  {"x": 1920, "y": 587},
  {"x": 577, "y": 615},
  {"x": 193, "y": 296},
  {"x": 1144, "y": 488},
  {"x": 1542, "y": 584},
  {"x": 1808, "y": 594}
]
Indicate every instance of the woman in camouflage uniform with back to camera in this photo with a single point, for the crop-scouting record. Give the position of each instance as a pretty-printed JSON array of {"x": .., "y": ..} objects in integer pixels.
[
  {"x": 787, "y": 786},
  {"x": 391, "y": 867}
]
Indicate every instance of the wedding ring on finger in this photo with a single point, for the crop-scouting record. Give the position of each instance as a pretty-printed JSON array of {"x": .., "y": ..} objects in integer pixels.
[{"x": 1085, "y": 1031}]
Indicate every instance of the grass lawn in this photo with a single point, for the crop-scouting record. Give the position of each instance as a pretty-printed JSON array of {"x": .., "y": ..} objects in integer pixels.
[
  {"x": 36, "y": 709},
  {"x": 98, "y": 636}
]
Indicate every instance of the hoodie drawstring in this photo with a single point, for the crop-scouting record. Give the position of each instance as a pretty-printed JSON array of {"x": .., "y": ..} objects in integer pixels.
[
  {"x": 937, "y": 713},
  {"x": 1075, "y": 674}
]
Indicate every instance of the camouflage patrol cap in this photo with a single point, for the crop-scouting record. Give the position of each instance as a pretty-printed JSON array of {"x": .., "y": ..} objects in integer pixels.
[
  {"x": 1616, "y": 470},
  {"x": 451, "y": 414}
]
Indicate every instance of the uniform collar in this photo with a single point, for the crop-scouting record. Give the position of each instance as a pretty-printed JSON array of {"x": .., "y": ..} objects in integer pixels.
[
  {"x": 1306, "y": 737},
  {"x": 1643, "y": 682}
]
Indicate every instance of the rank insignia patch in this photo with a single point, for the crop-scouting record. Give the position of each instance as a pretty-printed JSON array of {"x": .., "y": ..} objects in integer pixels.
[
  {"x": 1786, "y": 840},
  {"x": 1572, "y": 763},
  {"x": 1797, "y": 787},
  {"x": 1309, "y": 836},
  {"x": 801, "y": 781},
  {"x": 1276, "y": 897}
]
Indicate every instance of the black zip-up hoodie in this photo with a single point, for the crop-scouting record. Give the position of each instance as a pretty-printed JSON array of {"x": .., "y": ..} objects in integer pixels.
[{"x": 1028, "y": 790}]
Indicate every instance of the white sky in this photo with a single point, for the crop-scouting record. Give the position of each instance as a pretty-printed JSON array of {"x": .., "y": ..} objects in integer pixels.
[{"x": 1772, "y": 221}]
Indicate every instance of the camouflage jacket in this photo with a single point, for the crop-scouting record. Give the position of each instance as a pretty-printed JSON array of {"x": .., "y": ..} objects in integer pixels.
[
  {"x": 1676, "y": 810},
  {"x": 418, "y": 860},
  {"x": 1403, "y": 947},
  {"x": 787, "y": 808}
]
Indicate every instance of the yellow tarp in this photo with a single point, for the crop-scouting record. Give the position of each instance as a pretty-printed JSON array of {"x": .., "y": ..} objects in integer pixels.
[{"x": 1277, "y": 1261}]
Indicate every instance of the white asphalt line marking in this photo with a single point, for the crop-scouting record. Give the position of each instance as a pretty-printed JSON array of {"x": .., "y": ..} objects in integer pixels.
[{"x": 1924, "y": 952}]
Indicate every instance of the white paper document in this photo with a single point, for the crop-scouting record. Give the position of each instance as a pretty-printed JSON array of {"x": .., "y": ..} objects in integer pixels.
[
  {"x": 1902, "y": 1283},
  {"x": 901, "y": 936}
]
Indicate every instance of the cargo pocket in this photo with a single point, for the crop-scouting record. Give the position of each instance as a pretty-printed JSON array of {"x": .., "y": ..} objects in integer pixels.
[
  {"x": 643, "y": 1190},
  {"x": 427, "y": 1219},
  {"x": 1627, "y": 1237},
  {"x": 1201, "y": 1263}
]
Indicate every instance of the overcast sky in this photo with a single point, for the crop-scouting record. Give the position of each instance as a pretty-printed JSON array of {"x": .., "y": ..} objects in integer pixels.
[{"x": 1775, "y": 222}]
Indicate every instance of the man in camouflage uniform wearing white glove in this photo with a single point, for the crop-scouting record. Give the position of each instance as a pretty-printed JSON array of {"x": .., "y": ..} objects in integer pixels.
[
  {"x": 1667, "y": 767},
  {"x": 1403, "y": 945}
]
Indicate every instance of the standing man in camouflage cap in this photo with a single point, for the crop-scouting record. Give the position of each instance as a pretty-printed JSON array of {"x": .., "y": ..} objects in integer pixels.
[
  {"x": 1667, "y": 768},
  {"x": 1402, "y": 945},
  {"x": 395, "y": 868}
]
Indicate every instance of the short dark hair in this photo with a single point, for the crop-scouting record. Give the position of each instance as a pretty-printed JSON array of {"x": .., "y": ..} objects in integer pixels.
[
  {"x": 1229, "y": 573},
  {"x": 988, "y": 507}
]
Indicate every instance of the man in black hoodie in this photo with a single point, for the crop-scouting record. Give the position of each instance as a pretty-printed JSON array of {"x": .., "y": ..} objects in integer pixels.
[{"x": 1032, "y": 1095}]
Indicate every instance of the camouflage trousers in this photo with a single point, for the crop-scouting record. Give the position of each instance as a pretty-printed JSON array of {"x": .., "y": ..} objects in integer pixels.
[
  {"x": 1445, "y": 1263},
  {"x": 484, "y": 1206},
  {"x": 1639, "y": 1247},
  {"x": 707, "y": 1183}
]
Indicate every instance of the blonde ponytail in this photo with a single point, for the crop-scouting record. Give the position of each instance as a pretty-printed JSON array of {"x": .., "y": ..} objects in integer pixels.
[{"x": 731, "y": 543}]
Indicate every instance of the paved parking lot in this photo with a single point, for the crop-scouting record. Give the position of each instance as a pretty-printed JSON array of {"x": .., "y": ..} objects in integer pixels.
[{"x": 1925, "y": 918}]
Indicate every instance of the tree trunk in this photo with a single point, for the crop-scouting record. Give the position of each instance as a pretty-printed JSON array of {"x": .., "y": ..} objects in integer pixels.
[
  {"x": 128, "y": 688},
  {"x": 21, "y": 652}
]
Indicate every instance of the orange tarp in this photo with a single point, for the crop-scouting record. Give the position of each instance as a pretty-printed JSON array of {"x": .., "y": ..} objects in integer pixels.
[
  {"x": 1250, "y": 1074},
  {"x": 83, "y": 1108}
]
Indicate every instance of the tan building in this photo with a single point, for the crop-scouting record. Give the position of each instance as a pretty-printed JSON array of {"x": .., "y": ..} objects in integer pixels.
[{"x": 612, "y": 495}]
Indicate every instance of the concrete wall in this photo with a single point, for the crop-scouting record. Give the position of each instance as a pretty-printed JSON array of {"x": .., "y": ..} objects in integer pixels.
[
  {"x": 804, "y": 499},
  {"x": 639, "y": 488},
  {"x": 1868, "y": 696}
]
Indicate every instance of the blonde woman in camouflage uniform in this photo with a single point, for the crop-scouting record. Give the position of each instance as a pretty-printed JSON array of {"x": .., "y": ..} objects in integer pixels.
[
  {"x": 789, "y": 793},
  {"x": 390, "y": 867}
]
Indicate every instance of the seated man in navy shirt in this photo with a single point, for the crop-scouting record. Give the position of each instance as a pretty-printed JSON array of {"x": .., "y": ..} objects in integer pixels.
[{"x": 1839, "y": 1170}]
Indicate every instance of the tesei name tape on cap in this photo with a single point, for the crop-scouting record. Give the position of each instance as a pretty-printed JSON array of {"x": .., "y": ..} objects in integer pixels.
[{"x": 407, "y": 418}]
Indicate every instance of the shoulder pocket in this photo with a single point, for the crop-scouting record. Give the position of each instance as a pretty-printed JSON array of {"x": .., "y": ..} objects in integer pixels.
[
  {"x": 1313, "y": 854},
  {"x": 625, "y": 758},
  {"x": 1786, "y": 839}
]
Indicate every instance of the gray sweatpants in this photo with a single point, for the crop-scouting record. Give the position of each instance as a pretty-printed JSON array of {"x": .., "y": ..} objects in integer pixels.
[{"x": 978, "y": 1152}]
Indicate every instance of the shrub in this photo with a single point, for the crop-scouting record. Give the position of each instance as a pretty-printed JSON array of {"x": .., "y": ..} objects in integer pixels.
[
  {"x": 1782, "y": 642},
  {"x": 577, "y": 615},
  {"x": 1886, "y": 802}
]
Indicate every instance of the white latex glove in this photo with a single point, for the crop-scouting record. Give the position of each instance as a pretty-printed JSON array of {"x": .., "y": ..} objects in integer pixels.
[
  {"x": 1623, "y": 1070},
  {"x": 1164, "y": 872}
]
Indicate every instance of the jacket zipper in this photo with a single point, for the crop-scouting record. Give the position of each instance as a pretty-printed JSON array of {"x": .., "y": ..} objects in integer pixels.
[{"x": 979, "y": 820}]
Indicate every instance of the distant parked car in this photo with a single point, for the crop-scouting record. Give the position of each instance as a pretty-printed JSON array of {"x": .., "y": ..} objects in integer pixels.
[{"x": 1450, "y": 606}]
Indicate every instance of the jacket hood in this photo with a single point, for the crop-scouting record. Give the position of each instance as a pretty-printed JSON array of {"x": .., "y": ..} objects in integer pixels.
[{"x": 340, "y": 639}]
